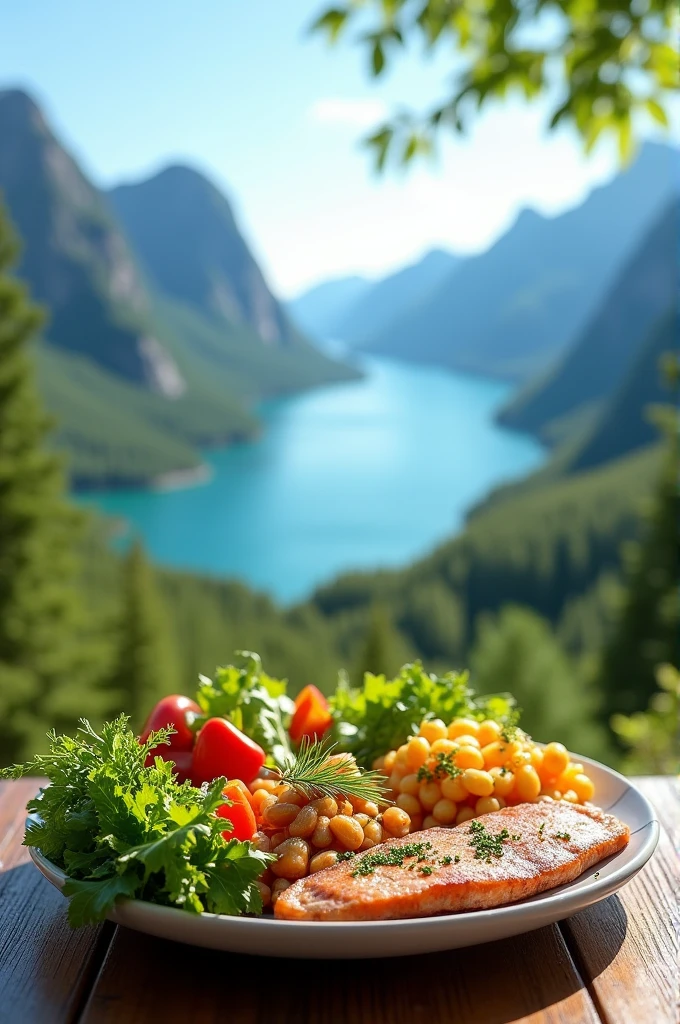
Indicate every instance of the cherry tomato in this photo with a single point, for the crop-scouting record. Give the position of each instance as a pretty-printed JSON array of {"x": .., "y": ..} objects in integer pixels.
[
  {"x": 182, "y": 759},
  {"x": 239, "y": 812},
  {"x": 172, "y": 711},
  {"x": 222, "y": 749},
  {"x": 311, "y": 716}
]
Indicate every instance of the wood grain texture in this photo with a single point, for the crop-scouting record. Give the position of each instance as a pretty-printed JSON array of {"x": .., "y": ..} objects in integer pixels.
[
  {"x": 46, "y": 969},
  {"x": 627, "y": 946},
  {"x": 530, "y": 979}
]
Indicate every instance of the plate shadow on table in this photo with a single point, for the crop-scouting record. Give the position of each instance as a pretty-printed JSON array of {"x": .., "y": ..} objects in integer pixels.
[{"x": 495, "y": 983}]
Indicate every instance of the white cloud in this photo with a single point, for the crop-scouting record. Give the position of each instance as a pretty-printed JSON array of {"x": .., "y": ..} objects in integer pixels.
[{"x": 356, "y": 113}]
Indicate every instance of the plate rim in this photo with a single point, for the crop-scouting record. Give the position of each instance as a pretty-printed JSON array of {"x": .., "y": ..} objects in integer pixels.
[{"x": 568, "y": 900}]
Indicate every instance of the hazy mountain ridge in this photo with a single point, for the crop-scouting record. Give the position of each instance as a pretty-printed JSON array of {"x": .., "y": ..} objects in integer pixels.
[
  {"x": 353, "y": 309},
  {"x": 513, "y": 310},
  {"x": 136, "y": 381},
  {"x": 593, "y": 369},
  {"x": 185, "y": 234}
]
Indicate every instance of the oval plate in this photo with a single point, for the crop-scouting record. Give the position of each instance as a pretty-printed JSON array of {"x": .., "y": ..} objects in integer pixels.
[{"x": 347, "y": 939}]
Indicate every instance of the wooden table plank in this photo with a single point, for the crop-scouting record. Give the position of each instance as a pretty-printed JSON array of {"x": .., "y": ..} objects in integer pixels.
[
  {"x": 530, "y": 979},
  {"x": 627, "y": 947},
  {"x": 46, "y": 969}
]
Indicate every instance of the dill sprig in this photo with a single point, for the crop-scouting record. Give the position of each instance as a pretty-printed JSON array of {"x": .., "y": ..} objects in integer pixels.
[{"x": 317, "y": 771}]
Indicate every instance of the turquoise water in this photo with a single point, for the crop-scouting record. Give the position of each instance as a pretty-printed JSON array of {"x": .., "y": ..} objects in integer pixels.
[{"x": 355, "y": 476}]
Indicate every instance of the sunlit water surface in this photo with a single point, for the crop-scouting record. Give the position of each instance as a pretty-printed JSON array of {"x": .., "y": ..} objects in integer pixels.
[{"x": 355, "y": 476}]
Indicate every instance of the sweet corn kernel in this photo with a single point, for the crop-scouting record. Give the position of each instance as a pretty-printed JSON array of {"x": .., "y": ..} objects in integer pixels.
[
  {"x": 444, "y": 812},
  {"x": 469, "y": 757},
  {"x": 407, "y": 803},
  {"x": 527, "y": 783},
  {"x": 443, "y": 747},
  {"x": 410, "y": 784},
  {"x": 431, "y": 822},
  {"x": 347, "y": 831},
  {"x": 583, "y": 786},
  {"x": 322, "y": 860},
  {"x": 462, "y": 727},
  {"x": 417, "y": 753},
  {"x": 486, "y": 804},
  {"x": 453, "y": 789},
  {"x": 503, "y": 781},
  {"x": 495, "y": 754},
  {"x": 464, "y": 814},
  {"x": 388, "y": 764},
  {"x": 429, "y": 794},
  {"x": 555, "y": 758},
  {"x": 478, "y": 782},
  {"x": 488, "y": 732},
  {"x": 433, "y": 729}
]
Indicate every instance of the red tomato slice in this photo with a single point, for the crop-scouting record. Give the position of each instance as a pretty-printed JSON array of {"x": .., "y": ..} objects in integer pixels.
[
  {"x": 222, "y": 749},
  {"x": 172, "y": 711},
  {"x": 239, "y": 812},
  {"x": 311, "y": 716}
]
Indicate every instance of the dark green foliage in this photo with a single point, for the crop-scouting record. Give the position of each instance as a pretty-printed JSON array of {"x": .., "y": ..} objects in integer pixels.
[
  {"x": 542, "y": 549},
  {"x": 515, "y": 309},
  {"x": 602, "y": 358},
  {"x": 146, "y": 665},
  {"x": 648, "y": 628},
  {"x": 139, "y": 381},
  {"x": 628, "y": 423},
  {"x": 517, "y": 651},
  {"x": 383, "y": 649},
  {"x": 43, "y": 649}
]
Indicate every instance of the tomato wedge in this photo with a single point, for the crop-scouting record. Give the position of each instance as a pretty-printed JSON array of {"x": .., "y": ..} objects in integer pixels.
[
  {"x": 172, "y": 711},
  {"x": 222, "y": 749},
  {"x": 238, "y": 812},
  {"x": 311, "y": 716}
]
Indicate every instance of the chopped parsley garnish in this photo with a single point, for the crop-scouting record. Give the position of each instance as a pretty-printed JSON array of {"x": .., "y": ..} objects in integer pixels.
[
  {"x": 394, "y": 856},
  {"x": 426, "y": 870},
  {"x": 562, "y": 835},
  {"x": 456, "y": 859},
  {"x": 541, "y": 830},
  {"x": 485, "y": 844},
  {"x": 445, "y": 768},
  {"x": 445, "y": 861},
  {"x": 346, "y": 855}
]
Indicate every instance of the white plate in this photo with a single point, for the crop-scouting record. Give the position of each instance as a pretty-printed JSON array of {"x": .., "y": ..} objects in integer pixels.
[{"x": 344, "y": 939}]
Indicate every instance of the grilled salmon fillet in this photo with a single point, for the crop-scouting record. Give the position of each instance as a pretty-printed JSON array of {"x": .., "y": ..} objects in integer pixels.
[{"x": 501, "y": 857}]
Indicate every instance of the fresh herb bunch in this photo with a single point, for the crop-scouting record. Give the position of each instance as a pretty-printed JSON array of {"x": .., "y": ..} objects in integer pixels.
[
  {"x": 255, "y": 702},
  {"x": 118, "y": 828},
  {"x": 316, "y": 771},
  {"x": 383, "y": 713}
]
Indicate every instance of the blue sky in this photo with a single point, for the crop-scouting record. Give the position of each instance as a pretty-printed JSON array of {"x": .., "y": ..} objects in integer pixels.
[{"x": 238, "y": 89}]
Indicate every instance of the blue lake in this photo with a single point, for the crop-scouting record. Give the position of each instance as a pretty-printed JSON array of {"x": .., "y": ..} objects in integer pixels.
[{"x": 356, "y": 476}]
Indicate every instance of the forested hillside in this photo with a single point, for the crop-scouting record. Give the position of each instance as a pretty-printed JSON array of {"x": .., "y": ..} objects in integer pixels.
[
  {"x": 139, "y": 381},
  {"x": 515, "y": 309},
  {"x": 593, "y": 369}
]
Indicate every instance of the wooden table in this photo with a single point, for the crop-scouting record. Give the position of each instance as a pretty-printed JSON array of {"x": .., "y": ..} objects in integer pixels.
[{"x": 615, "y": 962}]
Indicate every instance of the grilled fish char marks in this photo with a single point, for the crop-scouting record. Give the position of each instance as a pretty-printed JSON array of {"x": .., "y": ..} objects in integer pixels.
[{"x": 548, "y": 844}]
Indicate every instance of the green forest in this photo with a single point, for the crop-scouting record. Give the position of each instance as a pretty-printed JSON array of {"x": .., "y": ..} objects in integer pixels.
[{"x": 562, "y": 590}]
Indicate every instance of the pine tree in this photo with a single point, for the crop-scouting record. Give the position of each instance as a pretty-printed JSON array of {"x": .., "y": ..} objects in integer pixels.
[
  {"x": 517, "y": 652},
  {"x": 384, "y": 649},
  {"x": 41, "y": 663},
  {"x": 646, "y": 634},
  {"x": 146, "y": 662}
]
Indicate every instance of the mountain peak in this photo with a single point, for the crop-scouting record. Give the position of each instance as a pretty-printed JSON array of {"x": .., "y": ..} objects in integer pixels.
[{"x": 184, "y": 229}]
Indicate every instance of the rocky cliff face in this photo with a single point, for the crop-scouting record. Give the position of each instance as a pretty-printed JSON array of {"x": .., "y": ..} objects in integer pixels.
[
  {"x": 190, "y": 245},
  {"x": 75, "y": 258}
]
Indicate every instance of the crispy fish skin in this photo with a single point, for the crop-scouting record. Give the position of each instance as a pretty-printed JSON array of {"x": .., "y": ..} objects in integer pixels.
[{"x": 533, "y": 860}]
